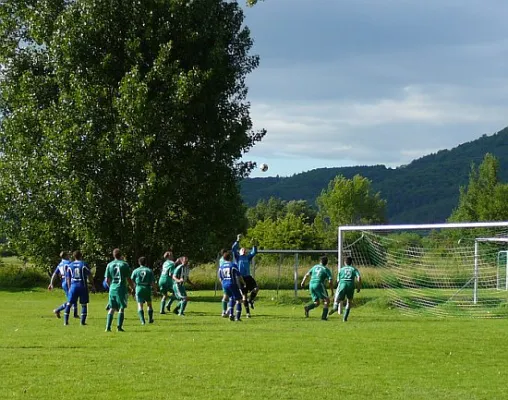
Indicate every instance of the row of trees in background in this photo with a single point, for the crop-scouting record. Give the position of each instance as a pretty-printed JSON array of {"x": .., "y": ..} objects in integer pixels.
[{"x": 279, "y": 224}]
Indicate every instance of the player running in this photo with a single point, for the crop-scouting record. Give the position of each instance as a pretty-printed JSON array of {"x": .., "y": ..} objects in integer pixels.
[
  {"x": 61, "y": 271},
  {"x": 231, "y": 281},
  {"x": 180, "y": 276},
  {"x": 243, "y": 260},
  {"x": 77, "y": 275},
  {"x": 166, "y": 281},
  {"x": 348, "y": 276},
  {"x": 117, "y": 276},
  {"x": 319, "y": 273},
  {"x": 144, "y": 281}
]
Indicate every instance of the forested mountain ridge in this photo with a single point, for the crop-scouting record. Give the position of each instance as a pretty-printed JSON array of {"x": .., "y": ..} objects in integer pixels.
[{"x": 424, "y": 191}]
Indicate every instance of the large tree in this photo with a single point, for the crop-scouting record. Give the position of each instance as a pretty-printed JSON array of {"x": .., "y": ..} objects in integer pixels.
[
  {"x": 347, "y": 202},
  {"x": 123, "y": 125}
]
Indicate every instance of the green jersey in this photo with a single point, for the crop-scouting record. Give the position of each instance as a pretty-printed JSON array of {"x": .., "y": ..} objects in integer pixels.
[
  {"x": 319, "y": 274},
  {"x": 167, "y": 271},
  {"x": 181, "y": 272},
  {"x": 142, "y": 276},
  {"x": 118, "y": 272},
  {"x": 347, "y": 274}
]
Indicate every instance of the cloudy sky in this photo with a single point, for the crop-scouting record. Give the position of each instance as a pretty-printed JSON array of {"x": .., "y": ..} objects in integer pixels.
[{"x": 362, "y": 82}]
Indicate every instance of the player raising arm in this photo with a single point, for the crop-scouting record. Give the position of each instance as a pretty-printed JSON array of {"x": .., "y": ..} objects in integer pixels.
[
  {"x": 117, "y": 276},
  {"x": 319, "y": 273},
  {"x": 144, "y": 280},
  {"x": 231, "y": 280},
  {"x": 243, "y": 260},
  {"x": 348, "y": 277}
]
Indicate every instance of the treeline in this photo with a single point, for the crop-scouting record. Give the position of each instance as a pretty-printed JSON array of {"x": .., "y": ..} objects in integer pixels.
[
  {"x": 424, "y": 191},
  {"x": 296, "y": 224}
]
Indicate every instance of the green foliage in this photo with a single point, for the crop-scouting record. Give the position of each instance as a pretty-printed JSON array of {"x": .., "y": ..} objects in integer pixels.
[
  {"x": 424, "y": 191},
  {"x": 123, "y": 123},
  {"x": 276, "y": 208},
  {"x": 347, "y": 202},
  {"x": 484, "y": 199},
  {"x": 288, "y": 232}
]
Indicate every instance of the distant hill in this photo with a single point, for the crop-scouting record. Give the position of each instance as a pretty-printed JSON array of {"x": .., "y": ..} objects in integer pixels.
[{"x": 424, "y": 191}]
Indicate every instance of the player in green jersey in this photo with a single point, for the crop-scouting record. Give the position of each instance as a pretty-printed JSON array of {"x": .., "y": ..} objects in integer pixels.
[
  {"x": 180, "y": 277},
  {"x": 319, "y": 273},
  {"x": 348, "y": 277},
  {"x": 166, "y": 281},
  {"x": 144, "y": 280},
  {"x": 117, "y": 276}
]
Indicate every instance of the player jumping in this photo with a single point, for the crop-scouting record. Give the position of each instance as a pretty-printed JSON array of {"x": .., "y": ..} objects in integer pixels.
[{"x": 243, "y": 260}]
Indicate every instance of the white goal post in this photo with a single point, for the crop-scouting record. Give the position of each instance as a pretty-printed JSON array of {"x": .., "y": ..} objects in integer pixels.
[{"x": 437, "y": 272}]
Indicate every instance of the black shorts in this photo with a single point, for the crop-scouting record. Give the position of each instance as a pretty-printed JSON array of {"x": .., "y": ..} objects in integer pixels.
[{"x": 250, "y": 284}]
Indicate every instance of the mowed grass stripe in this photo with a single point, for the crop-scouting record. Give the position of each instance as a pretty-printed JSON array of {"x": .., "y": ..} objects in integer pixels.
[{"x": 278, "y": 354}]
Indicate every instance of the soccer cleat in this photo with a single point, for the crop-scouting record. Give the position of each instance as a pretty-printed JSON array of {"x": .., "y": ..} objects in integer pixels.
[
  {"x": 324, "y": 319},
  {"x": 162, "y": 312},
  {"x": 150, "y": 321},
  {"x": 57, "y": 313},
  {"x": 248, "y": 315},
  {"x": 120, "y": 329},
  {"x": 181, "y": 315},
  {"x": 224, "y": 315},
  {"x": 306, "y": 309},
  {"x": 251, "y": 303},
  {"x": 66, "y": 324},
  {"x": 176, "y": 311},
  {"x": 238, "y": 320},
  {"x": 83, "y": 324},
  {"x": 231, "y": 318},
  {"x": 108, "y": 330}
]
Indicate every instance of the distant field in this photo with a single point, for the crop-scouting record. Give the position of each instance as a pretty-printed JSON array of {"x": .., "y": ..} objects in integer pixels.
[{"x": 278, "y": 354}]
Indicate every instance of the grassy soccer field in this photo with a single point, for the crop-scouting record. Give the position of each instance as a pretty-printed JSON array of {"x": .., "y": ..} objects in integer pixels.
[{"x": 278, "y": 354}]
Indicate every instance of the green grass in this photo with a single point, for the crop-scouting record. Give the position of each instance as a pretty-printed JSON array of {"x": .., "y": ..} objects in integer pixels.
[{"x": 278, "y": 354}]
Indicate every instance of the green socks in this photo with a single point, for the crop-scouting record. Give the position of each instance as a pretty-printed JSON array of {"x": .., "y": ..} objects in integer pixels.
[
  {"x": 346, "y": 314},
  {"x": 109, "y": 321},
  {"x": 120, "y": 319},
  {"x": 141, "y": 314}
]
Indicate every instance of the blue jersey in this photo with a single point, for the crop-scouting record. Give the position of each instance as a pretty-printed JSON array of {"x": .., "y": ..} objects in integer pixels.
[
  {"x": 78, "y": 272},
  {"x": 244, "y": 261},
  {"x": 229, "y": 274},
  {"x": 61, "y": 270}
]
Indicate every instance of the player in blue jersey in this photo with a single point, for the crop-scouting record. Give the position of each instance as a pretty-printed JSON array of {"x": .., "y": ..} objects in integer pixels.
[
  {"x": 231, "y": 280},
  {"x": 60, "y": 271},
  {"x": 77, "y": 277},
  {"x": 243, "y": 260}
]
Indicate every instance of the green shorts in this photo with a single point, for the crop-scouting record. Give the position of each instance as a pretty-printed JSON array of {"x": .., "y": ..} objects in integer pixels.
[
  {"x": 143, "y": 294},
  {"x": 165, "y": 287},
  {"x": 318, "y": 292},
  {"x": 179, "y": 291},
  {"x": 118, "y": 298},
  {"x": 344, "y": 291}
]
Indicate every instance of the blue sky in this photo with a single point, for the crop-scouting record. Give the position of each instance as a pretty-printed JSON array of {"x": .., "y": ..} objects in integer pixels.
[{"x": 362, "y": 82}]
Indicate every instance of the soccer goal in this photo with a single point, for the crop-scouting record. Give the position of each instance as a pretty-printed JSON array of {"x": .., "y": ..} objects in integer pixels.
[{"x": 448, "y": 269}]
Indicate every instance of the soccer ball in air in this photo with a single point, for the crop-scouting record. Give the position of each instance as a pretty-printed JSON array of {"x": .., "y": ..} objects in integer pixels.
[{"x": 263, "y": 167}]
